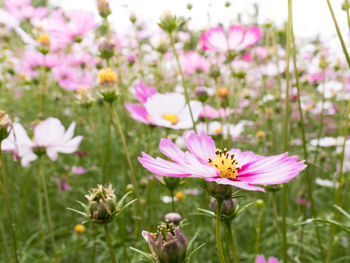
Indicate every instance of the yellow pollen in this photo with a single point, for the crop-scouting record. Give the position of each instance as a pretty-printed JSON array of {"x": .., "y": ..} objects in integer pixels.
[
  {"x": 106, "y": 75},
  {"x": 44, "y": 39},
  {"x": 148, "y": 117},
  {"x": 225, "y": 163},
  {"x": 171, "y": 117},
  {"x": 309, "y": 107},
  {"x": 218, "y": 130}
]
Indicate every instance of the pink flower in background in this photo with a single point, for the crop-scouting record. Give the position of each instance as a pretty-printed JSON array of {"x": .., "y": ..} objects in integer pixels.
[
  {"x": 261, "y": 259},
  {"x": 192, "y": 63},
  {"x": 233, "y": 167},
  {"x": 142, "y": 91},
  {"x": 209, "y": 112},
  {"x": 237, "y": 38},
  {"x": 34, "y": 60},
  {"x": 71, "y": 78},
  {"x": 23, "y": 9},
  {"x": 138, "y": 113},
  {"x": 80, "y": 23},
  {"x": 49, "y": 137}
]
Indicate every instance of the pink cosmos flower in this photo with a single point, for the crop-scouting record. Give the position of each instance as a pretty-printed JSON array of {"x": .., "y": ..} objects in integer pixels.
[
  {"x": 50, "y": 136},
  {"x": 142, "y": 91},
  {"x": 34, "y": 60},
  {"x": 192, "y": 63},
  {"x": 23, "y": 9},
  {"x": 211, "y": 113},
  {"x": 71, "y": 78},
  {"x": 233, "y": 167},
  {"x": 80, "y": 23},
  {"x": 261, "y": 259},
  {"x": 237, "y": 38}
]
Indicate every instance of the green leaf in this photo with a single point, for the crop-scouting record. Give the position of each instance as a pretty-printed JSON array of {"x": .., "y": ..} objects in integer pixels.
[
  {"x": 327, "y": 221},
  {"x": 188, "y": 258},
  {"x": 205, "y": 212},
  {"x": 341, "y": 210},
  {"x": 77, "y": 211},
  {"x": 121, "y": 201},
  {"x": 240, "y": 210},
  {"x": 147, "y": 256}
]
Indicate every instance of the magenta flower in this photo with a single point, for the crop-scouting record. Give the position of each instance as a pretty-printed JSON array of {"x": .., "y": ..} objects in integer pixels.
[
  {"x": 50, "y": 137},
  {"x": 237, "y": 38},
  {"x": 261, "y": 259},
  {"x": 233, "y": 167}
]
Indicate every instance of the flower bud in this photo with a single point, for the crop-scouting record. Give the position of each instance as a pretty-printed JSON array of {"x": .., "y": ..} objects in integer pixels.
[
  {"x": 220, "y": 191},
  {"x": 108, "y": 84},
  {"x": 189, "y": 6},
  {"x": 201, "y": 94},
  {"x": 259, "y": 203},
  {"x": 214, "y": 71},
  {"x": 168, "y": 244},
  {"x": 44, "y": 43},
  {"x": 133, "y": 18},
  {"x": 260, "y": 135},
  {"x": 180, "y": 196},
  {"x": 173, "y": 218},
  {"x": 5, "y": 125},
  {"x": 84, "y": 97},
  {"x": 79, "y": 229},
  {"x": 102, "y": 204},
  {"x": 168, "y": 22},
  {"x": 223, "y": 92},
  {"x": 106, "y": 48},
  {"x": 103, "y": 8},
  {"x": 227, "y": 4},
  {"x": 228, "y": 206}
]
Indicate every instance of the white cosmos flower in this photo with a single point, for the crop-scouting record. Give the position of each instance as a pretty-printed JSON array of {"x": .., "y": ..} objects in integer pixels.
[
  {"x": 330, "y": 88},
  {"x": 169, "y": 110}
]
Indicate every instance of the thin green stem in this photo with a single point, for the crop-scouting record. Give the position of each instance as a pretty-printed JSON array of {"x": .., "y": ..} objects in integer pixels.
[
  {"x": 172, "y": 201},
  {"x": 340, "y": 178},
  {"x": 275, "y": 217},
  {"x": 47, "y": 205},
  {"x": 258, "y": 230},
  {"x": 41, "y": 215},
  {"x": 127, "y": 155},
  {"x": 107, "y": 150},
  {"x": 4, "y": 241},
  {"x": 302, "y": 128},
  {"x": 183, "y": 80},
  {"x": 231, "y": 240},
  {"x": 4, "y": 189},
  {"x": 94, "y": 134},
  {"x": 110, "y": 245},
  {"x": 285, "y": 134},
  {"x": 218, "y": 233}
]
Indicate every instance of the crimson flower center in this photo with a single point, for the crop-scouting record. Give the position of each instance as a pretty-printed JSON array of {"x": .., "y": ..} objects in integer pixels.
[{"x": 225, "y": 163}]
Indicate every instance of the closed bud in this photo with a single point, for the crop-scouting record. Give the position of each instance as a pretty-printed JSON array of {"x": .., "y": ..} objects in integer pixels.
[
  {"x": 214, "y": 71},
  {"x": 259, "y": 203},
  {"x": 168, "y": 22},
  {"x": 201, "y": 93},
  {"x": 84, "y": 97},
  {"x": 44, "y": 43},
  {"x": 189, "y": 6},
  {"x": 173, "y": 218},
  {"x": 106, "y": 48},
  {"x": 227, "y": 4},
  {"x": 228, "y": 206},
  {"x": 220, "y": 191},
  {"x": 102, "y": 204},
  {"x": 103, "y": 8},
  {"x": 133, "y": 18},
  {"x": 5, "y": 125}
]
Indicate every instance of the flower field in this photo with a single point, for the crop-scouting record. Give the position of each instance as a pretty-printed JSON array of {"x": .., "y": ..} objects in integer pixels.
[{"x": 164, "y": 143}]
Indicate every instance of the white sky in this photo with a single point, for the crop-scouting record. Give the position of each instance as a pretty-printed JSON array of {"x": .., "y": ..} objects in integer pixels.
[{"x": 311, "y": 17}]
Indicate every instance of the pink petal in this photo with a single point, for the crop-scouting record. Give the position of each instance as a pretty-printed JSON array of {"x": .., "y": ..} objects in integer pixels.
[
  {"x": 260, "y": 259},
  {"x": 202, "y": 146},
  {"x": 235, "y": 36},
  {"x": 171, "y": 150},
  {"x": 236, "y": 183},
  {"x": 251, "y": 37},
  {"x": 272, "y": 260},
  {"x": 138, "y": 112},
  {"x": 214, "y": 39}
]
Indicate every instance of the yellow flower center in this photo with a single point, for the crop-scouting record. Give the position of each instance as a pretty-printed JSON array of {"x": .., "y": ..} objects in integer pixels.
[
  {"x": 225, "y": 163},
  {"x": 218, "y": 130},
  {"x": 44, "y": 40},
  {"x": 260, "y": 134},
  {"x": 180, "y": 196},
  {"x": 171, "y": 117},
  {"x": 106, "y": 75},
  {"x": 223, "y": 92}
]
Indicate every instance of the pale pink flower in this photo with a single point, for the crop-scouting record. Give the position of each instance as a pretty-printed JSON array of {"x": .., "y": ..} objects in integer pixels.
[
  {"x": 50, "y": 136},
  {"x": 234, "y": 167},
  {"x": 261, "y": 259},
  {"x": 209, "y": 112},
  {"x": 33, "y": 61},
  {"x": 237, "y": 38},
  {"x": 192, "y": 63},
  {"x": 23, "y": 9},
  {"x": 143, "y": 92}
]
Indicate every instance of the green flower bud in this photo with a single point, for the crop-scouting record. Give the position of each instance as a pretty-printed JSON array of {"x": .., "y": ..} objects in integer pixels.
[
  {"x": 220, "y": 191},
  {"x": 102, "y": 204},
  {"x": 259, "y": 203},
  {"x": 5, "y": 125},
  {"x": 168, "y": 22}
]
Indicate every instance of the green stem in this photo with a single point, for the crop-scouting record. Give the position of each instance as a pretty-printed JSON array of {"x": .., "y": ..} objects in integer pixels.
[
  {"x": 218, "y": 233},
  {"x": 302, "y": 128},
  {"x": 107, "y": 149},
  {"x": 274, "y": 206},
  {"x": 110, "y": 245},
  {"x": 4, "y": 189},
  {"x": 172, "y": 201},
  {"x": 258, "y": 229},
  {"x": 47, "y": 205},
  {"x": 340, "y": 179},
  {"x": 41, "y": 216},
  {"x": 93, "y": 254},
  {"x": 183, "y": 80},
  {"x": 285, "y": 134},
  {"x": 4, "y": 241},
  {"x": 127, "y": 155},
  {"x": 231, "y": 240},
  {"x": 94, "y": 134}
]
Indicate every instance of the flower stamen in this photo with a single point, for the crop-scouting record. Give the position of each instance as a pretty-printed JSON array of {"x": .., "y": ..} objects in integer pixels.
[
  {"x": 225, "y": 163},
  {"x": 173, "y": 118}
]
